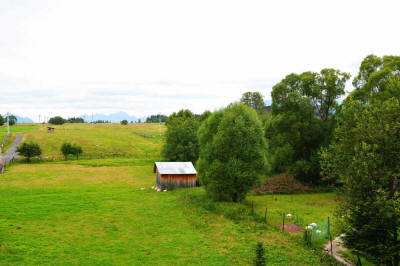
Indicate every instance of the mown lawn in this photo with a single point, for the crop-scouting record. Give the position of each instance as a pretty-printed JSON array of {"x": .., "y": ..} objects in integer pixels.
[{"x": 95, "y": 212}]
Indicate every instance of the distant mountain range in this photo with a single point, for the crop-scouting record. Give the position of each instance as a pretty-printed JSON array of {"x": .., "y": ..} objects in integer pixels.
[
  {"x": 114, "y": 118},
  {"x": 21, "y": 119}
]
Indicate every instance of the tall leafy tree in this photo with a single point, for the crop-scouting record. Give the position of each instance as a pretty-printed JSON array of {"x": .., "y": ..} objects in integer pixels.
[
  {"x": 1, "y": 120},
  {"x": 378, "y": 79},
  {"x": 254, "y": 100},
  {"x": 232, "y": 152},
  {"x": 304, "y": 107},
  {"x": 181, "y": 142},
  {"x": 365, "y": 158}
]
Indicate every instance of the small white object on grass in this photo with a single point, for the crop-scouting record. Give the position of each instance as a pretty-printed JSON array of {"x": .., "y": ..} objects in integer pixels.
[
  {"x": 313, "y": 224},
  {"x": 289, "y": 215},
  {"x": 318, "y": 231},
  {"x": 165, "y": 190},
  {"x": 309, "y": 227},
  {"x": 142, "y": 188}
]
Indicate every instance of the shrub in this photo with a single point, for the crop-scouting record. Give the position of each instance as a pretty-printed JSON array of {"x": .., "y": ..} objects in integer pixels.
[
  {"x": 73, "y": 149},
  {"x": 29, "y": 150},
  {"x": 76, "y": 150},
  {"x": 124, "y": 122},
  {"x": 260, "y": 260}
]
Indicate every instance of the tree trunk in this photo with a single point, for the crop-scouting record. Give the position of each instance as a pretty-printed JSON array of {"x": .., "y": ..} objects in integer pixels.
[
  {"x": 396, "y": 256},
  {"x": 235, "y": 197}
]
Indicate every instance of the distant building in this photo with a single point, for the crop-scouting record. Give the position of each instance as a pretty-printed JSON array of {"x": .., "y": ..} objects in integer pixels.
[
  {"x": 50, "y": 129},
  {"x": 175, "y": 174}
]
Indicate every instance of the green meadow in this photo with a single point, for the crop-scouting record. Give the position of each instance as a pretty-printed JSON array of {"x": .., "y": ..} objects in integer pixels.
[
  {"x": 15, "y": 130},
  {"x": 101, "y": 210}
]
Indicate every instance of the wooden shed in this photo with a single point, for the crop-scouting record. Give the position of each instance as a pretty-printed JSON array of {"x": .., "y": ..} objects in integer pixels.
[{"x": 175, "y": 174}]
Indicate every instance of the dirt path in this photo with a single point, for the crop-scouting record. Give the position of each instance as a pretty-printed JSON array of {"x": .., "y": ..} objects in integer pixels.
[
  {"x": 337, "y": 248},
  {"x": 12, "y": 153}
]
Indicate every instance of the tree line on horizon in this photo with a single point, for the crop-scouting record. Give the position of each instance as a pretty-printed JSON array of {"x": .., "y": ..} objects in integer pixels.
[
  {"x": 12, "y": 119},
  {"x": 353, "y": 146}
]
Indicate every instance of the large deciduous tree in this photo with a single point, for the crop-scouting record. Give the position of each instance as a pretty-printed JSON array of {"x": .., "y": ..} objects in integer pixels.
[
  {"x": 181, "y": 144},
  {"x": 378, "y": 79},
  {"x": 365, "y": 158},
  {"x": 254, "y": 100},
  {"x": 304, "y": 107},
  {"x": 232, "y": 152}
]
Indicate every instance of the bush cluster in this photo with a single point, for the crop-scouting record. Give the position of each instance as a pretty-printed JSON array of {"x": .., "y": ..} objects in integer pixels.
[{"x": 71, "y": 149}]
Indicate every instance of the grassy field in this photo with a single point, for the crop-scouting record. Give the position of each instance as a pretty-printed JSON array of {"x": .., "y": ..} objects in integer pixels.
[
  {"x": 140, "y": 141},
  {"x": 15, "y": 130},
  {"x": 102, "y": 211}
]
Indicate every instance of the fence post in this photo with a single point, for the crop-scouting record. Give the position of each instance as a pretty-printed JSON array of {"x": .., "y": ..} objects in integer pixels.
[
  {"x": 283, "y": 224},
  {"x": 330, "y": 240},
  {"x": 252, "y": 207},
  {"x": 329, "y": 226},
  {"x": 265, "y": 215}
]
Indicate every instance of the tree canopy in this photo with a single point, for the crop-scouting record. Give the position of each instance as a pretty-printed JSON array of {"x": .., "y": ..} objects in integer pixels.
[
  {"x": 29, "y": 150},
  {"x": 378, "y": 79},
  {"x": 57, "y": 120},
  {"x": 75, "y": 120},
  {"x": 12, "y": 119},
  {"x": 156, "y": 119},
  {"x": 232, "y": 152},
  {"x": 365, "y": 158},
  {"x": 73, "y": 149},
  {"x": 254, "y": 100},
  {"x": 181, "y": 144},
  {"x": 304, "y": 107}
]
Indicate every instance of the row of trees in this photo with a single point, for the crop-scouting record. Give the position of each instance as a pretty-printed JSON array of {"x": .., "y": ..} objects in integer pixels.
[
  {"x": 58, "y": 120},
  {"x": 354, "y": 145},
  {"x": 156, "y": 119}
]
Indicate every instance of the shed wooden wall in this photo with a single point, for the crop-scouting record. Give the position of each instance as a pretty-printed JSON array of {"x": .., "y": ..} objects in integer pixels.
[{"x": 172, "y": 181}]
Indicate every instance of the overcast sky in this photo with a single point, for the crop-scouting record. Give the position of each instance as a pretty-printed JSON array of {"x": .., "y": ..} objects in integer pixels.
[{"x": 146, "y": 57}]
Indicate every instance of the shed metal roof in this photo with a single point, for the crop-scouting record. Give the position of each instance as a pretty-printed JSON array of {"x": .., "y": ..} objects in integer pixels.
[{"x": 175, "y": 168}]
